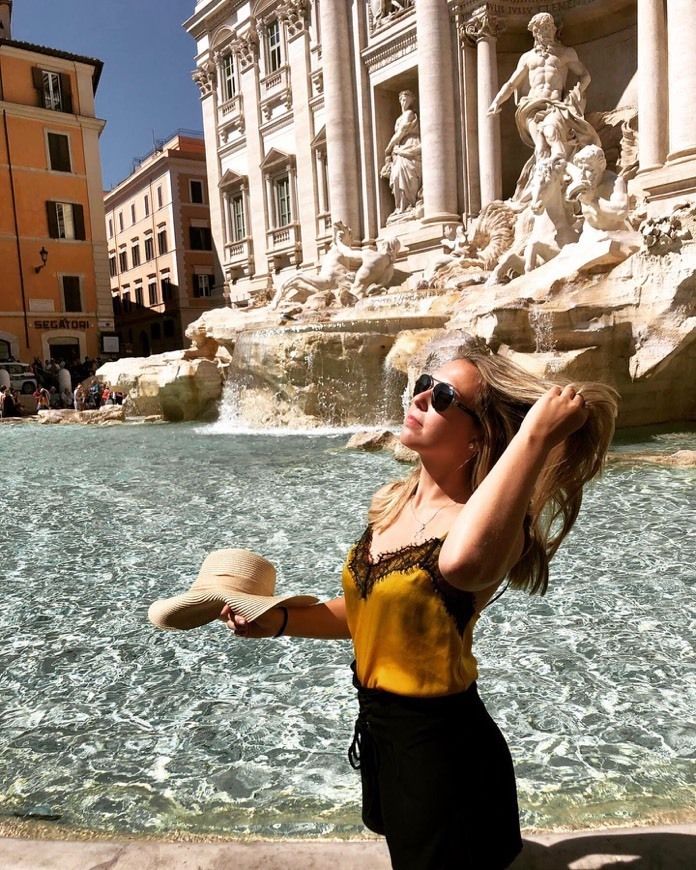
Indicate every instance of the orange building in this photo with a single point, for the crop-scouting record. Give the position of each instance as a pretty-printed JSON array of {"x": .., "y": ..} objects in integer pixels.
[
  {"x": 54, "y": 281},
  {"x": 164, "y": 273}
]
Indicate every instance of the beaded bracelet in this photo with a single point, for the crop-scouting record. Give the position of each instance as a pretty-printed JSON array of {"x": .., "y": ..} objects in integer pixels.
[{"x": 285, "y": 622}]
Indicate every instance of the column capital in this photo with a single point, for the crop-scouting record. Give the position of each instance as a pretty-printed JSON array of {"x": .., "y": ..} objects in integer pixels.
[
  {"x": 294, "y": 14},
  {"x": 483, "y": 24},
  {"x": 246, "y": 48},
  {"x": 204, "y": 76}
]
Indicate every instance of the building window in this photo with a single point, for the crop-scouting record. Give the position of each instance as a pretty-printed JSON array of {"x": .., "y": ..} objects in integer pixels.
[
  {"x": 282, "y": 197},
  {"x": 167, "y": 289},
  {"x": 159, "y": 197},
  {"x": 155, "y": 331},
  {"x": 139, "y": 295},
  {"x": 162, "y": 242},
  {"x": 53, "y": 90},
  {"x": 229, "y": 81},
  {"x": 146, "y": 205},
  {"x": 149, "y": 249},
  {"x": 116, "y": 304},
  {"x": 126, "y": 302},
  {"x": 135, "y": 255},
  {"x": 200, "y": 239},
  {"x": 238, "y": 222},
  {"x": 273, "y": 44},
  {"x": 72, "y": 298},
  {"x": 203, "y": 285},
  {"x": 120, "y": 221},
  {"x": 152, "y": 293},
  {"x": 123, "y": 260},
  {"x": 59, "y": 152},
  {"x": 132, "y": 213},
  {"x": 196, "y": 191},
  {"x": 111, "y": 229},
  {"x": 66, "y": 220},
  {"x": 112, "y": 265},
  {"x": 168, "y": 328}
]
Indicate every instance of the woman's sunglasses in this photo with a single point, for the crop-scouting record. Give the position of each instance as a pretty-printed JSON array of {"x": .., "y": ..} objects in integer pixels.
[{"x": 442, "y": 396}]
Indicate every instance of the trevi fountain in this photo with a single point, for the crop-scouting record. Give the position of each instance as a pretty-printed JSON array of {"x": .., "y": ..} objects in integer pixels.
[{"x": 580, "y": 274}]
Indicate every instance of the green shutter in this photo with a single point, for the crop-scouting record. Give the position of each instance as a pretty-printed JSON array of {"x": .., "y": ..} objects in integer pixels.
[
  {"x": 66, "y": 93},
  {"x": 52, "y": 219},
  {"x": 79, "y": 218}
]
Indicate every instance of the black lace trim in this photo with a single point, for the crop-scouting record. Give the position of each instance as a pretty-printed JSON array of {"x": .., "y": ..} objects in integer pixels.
[{"x": 365, "y": 571}]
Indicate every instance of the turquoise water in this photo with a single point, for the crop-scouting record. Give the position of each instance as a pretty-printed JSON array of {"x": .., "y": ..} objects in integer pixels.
[{"x": 112, "y": 725}]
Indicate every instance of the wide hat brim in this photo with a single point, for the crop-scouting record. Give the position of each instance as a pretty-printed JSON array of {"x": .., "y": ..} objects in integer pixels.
[{"x": 199, "y": 607}]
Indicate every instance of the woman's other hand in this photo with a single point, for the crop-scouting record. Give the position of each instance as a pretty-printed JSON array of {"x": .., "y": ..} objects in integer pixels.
[
  {"x": 267, "y": 625},
  {"x": 556, "y": 415}
]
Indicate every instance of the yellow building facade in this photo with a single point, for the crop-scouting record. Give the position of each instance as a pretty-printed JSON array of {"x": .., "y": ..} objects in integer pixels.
[{"x": 54, "y": 284}]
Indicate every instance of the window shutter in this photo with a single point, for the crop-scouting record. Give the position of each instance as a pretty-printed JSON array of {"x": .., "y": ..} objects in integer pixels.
[
  {"x": 79, "y": 218},
  {"x": 52, "y": 220},
  {"x": 37, "y": 77},
  {"x": 66, "y": 93}
]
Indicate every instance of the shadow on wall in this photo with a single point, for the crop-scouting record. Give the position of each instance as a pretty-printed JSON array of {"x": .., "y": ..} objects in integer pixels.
[{"x": 648, "y": 851}]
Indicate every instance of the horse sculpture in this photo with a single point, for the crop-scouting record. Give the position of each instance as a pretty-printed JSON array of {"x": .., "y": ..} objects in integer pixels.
[{"x": 552, "y": 224}]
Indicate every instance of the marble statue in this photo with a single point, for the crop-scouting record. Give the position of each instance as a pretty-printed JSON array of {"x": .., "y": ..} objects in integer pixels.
[
  {"x": 602, "y": 194},
  {"x": 552, "y": 225},
  {"x": 376, "y": 268},
  {"x": 337, "y": 271},
  {"x": 549, "y": 118},
  {"x": 403, "y": 166}
]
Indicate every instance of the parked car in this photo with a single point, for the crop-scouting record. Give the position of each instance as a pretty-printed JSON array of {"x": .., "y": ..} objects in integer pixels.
[{"x": 21, "y": 376}]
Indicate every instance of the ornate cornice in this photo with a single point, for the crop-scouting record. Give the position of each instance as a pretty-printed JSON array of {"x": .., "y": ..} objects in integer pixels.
[
  {"x": 246, "y": 47},
  {"x": 383, "y": 54},
  {"x": 294, "y": 14},
  {"x": 205, "y": 76}
]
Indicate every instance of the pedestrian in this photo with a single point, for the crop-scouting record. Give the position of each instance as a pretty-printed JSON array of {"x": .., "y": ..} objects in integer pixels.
[
  {"x": 3, "y": 390},
  {"x": 503, "y": 458},
  {"x": 67, "y": 398},
  {"x": 79, "y": 398}
]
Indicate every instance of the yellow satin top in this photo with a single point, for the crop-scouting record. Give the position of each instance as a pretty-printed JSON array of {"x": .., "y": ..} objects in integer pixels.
[{"x": 412, "y": 631}]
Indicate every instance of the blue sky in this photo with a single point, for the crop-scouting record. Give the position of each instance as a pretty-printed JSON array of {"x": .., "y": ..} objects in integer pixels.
[{"x": 148, "y": 57}]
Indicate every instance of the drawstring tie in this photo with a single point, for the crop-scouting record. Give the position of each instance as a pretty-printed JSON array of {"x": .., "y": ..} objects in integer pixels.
[{"x": 360, "y": 735}]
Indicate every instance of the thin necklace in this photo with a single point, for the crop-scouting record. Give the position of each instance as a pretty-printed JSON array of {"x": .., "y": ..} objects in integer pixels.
[{"x": 420, "y": 533}]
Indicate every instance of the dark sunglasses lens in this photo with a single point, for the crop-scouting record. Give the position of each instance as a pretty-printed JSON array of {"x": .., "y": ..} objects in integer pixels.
[
  {"x": 442, "y": 397},
  {"x": 423, "y": 383}
]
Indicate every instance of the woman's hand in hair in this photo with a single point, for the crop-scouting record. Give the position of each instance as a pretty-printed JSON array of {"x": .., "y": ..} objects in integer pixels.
[{"x": 556, "y": 415}]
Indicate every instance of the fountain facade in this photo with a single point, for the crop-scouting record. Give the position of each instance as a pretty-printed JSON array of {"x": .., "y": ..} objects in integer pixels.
[{"x": 432, "y": 220}]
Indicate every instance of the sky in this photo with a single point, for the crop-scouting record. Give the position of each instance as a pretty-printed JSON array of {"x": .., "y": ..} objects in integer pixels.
[{"x": 148, "y": 57}]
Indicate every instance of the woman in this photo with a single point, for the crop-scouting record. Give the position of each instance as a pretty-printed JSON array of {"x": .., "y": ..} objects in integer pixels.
[{"x": 503, "y": 460}]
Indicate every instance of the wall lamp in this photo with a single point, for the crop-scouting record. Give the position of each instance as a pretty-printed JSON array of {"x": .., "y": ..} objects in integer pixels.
[{"x": 43, "y": 253}]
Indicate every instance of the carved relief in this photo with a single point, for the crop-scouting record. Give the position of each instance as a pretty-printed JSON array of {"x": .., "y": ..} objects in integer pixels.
[
  {"x": 385, "y": 11},
  {"x": 295, "y": 15},
  {"x": 204, "y": 76}
]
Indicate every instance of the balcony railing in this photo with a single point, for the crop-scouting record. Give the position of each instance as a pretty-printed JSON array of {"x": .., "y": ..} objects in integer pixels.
[
  {"x": 275, "y": 89},
  {"x": 238, "y": 253},
  {"x": 284, "y": 241}
]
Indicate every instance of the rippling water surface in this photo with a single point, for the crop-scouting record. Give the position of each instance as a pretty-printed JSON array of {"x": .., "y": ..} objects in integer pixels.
[{"x": 113, "y": 725}]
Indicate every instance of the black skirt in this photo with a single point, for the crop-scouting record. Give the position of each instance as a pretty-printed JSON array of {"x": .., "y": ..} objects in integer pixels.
[{"x": 437, "y": 781}]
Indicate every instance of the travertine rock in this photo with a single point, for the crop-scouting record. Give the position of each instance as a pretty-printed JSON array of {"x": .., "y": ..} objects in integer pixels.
[
  {"x": 105, "y": 416},
  {"x": 167, "y": 384},
  {"x": 381, "y": 439}
]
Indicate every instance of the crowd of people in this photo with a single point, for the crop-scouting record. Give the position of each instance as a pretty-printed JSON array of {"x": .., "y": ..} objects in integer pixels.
[{"x": 87, "y": 392}]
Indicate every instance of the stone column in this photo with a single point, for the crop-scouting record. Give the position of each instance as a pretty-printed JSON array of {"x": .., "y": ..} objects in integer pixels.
[
  {"x": 652, "y": 84},
  {"x": 483, "y": 28},
  {"x": 681, "y": 33},
  {"x": 246, "y": 48},
  {"x": 294, "y": 15},
  {"x": 341, "y": 129},
  {"x": 435, "y": 104}
]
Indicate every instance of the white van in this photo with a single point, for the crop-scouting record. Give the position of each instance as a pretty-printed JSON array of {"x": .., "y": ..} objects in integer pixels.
[{"x": 21, "y": 376}]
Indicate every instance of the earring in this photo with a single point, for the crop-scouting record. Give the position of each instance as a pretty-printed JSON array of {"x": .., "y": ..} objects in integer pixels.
[{"x": 472, "y": 445}]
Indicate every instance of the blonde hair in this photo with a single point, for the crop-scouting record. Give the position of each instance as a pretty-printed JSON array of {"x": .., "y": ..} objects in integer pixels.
[{"x": 506, "y": 394}]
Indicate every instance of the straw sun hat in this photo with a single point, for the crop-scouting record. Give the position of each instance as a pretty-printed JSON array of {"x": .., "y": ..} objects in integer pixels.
[{"x": 240, "y": 578}]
